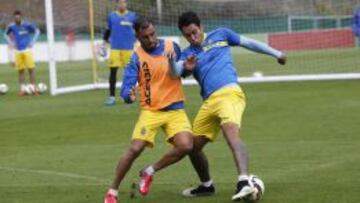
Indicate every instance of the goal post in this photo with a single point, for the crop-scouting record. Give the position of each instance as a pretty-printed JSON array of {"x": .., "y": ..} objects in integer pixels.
[{"x": 54, "y": 88}]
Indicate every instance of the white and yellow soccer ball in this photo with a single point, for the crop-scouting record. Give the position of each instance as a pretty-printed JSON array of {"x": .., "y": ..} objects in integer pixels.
[
  {"x": 259, "y": 190},
  {"x": 42, "y": 88},
  {"x": 3, "y": 88}
]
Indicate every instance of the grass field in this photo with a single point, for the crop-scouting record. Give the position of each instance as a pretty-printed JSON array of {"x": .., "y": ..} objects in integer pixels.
[
  {"x": 309, "y": 62},
  {"x": 303, "y": 139}
]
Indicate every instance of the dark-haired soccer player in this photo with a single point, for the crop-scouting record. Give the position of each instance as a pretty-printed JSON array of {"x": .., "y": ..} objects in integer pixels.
[
  {"x": 121, "y": 36},
  {"x": 23, "y": 36},
  {"x": 162, "y": 106},
  {"x": 224, "y": 101}
]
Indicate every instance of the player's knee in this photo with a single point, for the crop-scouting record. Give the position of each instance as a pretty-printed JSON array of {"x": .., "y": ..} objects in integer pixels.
[
  {"x": 186, "y": 147},
  {"x": 135, "y": 151}
]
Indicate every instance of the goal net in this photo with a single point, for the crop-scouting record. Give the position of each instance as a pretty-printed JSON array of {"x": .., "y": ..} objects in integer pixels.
[{"x": 316, "y": 36}]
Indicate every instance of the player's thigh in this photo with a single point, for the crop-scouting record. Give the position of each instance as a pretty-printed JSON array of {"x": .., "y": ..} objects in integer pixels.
[
  {"x": 29, "y": 60},
  {"x": 177, "y": 122},
  {"x": 20, "y": 61},
  {"x": 114, "y": 59},
  {"x": 125, "y": 56},
  {"x": 147, "y": 126},
  {"x": 205, "y": 123},
  {"x": 231, "y": 107}
]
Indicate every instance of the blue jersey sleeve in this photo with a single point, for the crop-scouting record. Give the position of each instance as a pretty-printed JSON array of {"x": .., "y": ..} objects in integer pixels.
[
  {"x": 356, "y": 22},
  {"x": 130, "y": 78},
  {"x": 232, "y": 37},
  {"x": 31, "y": 27},
  {"x": 7, "y": 32},
  {"x": 109, "y": 25},
  {"x": 184, "y": 55},
  {"x": 135, "y": 17}
]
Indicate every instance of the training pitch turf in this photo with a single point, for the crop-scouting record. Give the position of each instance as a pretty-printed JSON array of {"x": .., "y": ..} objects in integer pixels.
[{"x": 303, "y": 140}]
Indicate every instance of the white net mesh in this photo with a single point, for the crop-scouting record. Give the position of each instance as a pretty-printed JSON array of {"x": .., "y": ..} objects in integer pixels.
[{"x": 316, "y": 34}]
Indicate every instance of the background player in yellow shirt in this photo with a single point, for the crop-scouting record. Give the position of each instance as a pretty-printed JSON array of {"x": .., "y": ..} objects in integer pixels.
[
  {"x": 162, "y": 106},
  {"x": 21, "y": 35},
  {"x": 121, "y": 36}
]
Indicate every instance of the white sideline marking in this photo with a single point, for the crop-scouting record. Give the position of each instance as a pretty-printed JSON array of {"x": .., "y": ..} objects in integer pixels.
[
  {"x": 283, "y": 78},
  {"x": 53, "y": 173}
]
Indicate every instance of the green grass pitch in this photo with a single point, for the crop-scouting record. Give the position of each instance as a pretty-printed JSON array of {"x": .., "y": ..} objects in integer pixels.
[{"x": 302, "y": 137}]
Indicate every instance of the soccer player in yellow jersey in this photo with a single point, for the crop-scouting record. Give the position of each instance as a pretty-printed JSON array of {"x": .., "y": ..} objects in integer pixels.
[
  {"x": 121, "y": 36},
  {"x": 162, "y": 106},
  {"x": 21, "y": 35}
]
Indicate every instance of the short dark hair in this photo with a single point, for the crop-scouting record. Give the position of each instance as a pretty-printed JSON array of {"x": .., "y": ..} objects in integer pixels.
[
  {"x": 188, "y": 18},
  {"x": 17, "y": 12},
  {"x": 142, "y": 23}
]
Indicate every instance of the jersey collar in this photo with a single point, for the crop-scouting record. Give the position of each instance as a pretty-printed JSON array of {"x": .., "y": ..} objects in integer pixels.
[{"x": 122, "y": 14}]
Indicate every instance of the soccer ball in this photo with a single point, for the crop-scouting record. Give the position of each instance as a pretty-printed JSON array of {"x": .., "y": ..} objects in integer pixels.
[
  {"x": 42, "y": 87},
  {"x": 3, "y": 88},
  {"x": 258, "y": 74},
  {"x": 101, "y": 52},
  {"x": 259, "y": 190},
  {"x": 29, "y": 89}
]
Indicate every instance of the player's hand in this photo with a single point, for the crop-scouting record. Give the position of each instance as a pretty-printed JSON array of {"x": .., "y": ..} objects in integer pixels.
[
  {"x": 12, "y": 46},
  {"x": 190, "y": 63},
  {"x": 282, "y": 60},
  {"x": 171, "y": 55},
  {"x": 133, "y": 93}
]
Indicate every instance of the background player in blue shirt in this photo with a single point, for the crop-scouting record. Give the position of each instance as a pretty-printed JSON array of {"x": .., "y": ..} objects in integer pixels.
[
  {"x": 209, "y": 59},
  {"x": 356, "y": 24},
  {"x": 21, "y": 35},
  {"x": 121, "y": 36}
]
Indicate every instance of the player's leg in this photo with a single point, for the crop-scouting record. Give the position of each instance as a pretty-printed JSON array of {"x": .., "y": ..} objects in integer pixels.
[
  {"x": 112, "y": 81},
  {"x": 21, "y": 78},
  {"x": 114, "y": 64},
  {"x": 143, "y": 136},
  {"x": 125, "y": 162},
  {"x": 239, "y": 152},
  {"x": 238, "y": 149},
  {"x": 30, "y": 65},
  {"x": 178, "y": 130},
  {"x": 229, "y": 109},
  {"x": 205, "y": 130},
  {"x": 32, "y": 80},
  {"x": 123, "y": 166},
  {"x": 199, "y": 160},
  {"x": 182, "y": 144},
  {"x": 200, "y": 163},
  {"x": 20, "y": 67}
]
